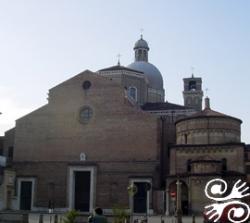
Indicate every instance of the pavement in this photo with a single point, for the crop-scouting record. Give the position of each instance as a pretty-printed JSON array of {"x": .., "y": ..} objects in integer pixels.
[{"x": 47, "y": 218}]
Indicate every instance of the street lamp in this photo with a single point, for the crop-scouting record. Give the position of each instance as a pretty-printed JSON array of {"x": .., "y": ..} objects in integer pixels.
[
  {"x": 51, "y": 210},
  {"x": 167, "y": 202},
  {"x": 132, "y": 190},
  {"x": 147, "y": 189}
]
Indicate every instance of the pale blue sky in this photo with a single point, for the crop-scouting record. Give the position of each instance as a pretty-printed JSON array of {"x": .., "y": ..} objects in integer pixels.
[{"x": 43, "y": 43}]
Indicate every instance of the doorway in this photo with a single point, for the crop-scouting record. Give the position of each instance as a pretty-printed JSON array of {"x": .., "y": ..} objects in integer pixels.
[
  {"x": 82, "y": 191},
  {"x": 81, "y": 184},
  {"x": 25, "y": 195},
  {"x": 140, "y": 201},
  {"x": 140, "y": 198}
]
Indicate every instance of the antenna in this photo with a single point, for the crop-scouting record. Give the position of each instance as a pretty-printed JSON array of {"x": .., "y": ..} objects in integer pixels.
[
  {"x": 119, "y": 57},
  {"x": 206, "y": 90},
  {"x": 141, "y": 31},
  {"x": 192, "y": 71}
]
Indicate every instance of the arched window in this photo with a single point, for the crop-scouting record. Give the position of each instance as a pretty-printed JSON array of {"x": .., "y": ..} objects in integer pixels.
[
  {"x": 139, "y": 54},
  {"x": 145, "y": 55},
  {"x": 224, "y": 164},
  {"x": 86, "y": 114},
  {"x": 132, "y": 93},
  {"x": 86, "y": 85},
  {"x": 192, "y": 85}
]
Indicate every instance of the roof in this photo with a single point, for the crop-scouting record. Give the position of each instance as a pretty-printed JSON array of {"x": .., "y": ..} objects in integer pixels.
[
  {"x": 150, "y": 71},
  {"x": 228, "y": 173},
  {"x": 208, "y": 113},
  {"x": 162, "y": 106},
  {"x": 141, "y": 43},
  {"x": 188, "y": 146},
  {"x": 119, "y": 67}
]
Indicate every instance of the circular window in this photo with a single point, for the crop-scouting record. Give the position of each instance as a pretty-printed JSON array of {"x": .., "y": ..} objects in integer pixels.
[
  {"x": 86, "y": 114},
  {"x": 86, "y": 85}
]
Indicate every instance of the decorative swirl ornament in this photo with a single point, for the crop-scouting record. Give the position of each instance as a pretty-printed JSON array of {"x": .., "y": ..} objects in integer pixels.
[
  {"x": 215, "y": 187},
  {"x": 238, "y": 211}
]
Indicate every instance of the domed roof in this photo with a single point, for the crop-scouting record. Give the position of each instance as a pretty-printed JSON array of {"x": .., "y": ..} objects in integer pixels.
[
  {"x": 141, "y": 43},
  {"x": 150, "y": 71}
]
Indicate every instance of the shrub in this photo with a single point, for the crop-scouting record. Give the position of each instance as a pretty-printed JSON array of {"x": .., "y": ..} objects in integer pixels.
[
  {"x": 71, "y": 216},
  {"x": 120, "y": 214}
]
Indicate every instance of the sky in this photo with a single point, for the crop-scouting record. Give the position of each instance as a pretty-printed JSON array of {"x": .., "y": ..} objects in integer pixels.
[{"x": 43, "y": 43}]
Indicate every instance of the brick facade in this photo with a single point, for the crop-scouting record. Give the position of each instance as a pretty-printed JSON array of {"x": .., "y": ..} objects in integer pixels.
[{"x": 50, "y": 140}]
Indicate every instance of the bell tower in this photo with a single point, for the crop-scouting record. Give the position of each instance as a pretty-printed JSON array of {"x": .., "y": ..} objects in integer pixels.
[{"x": 193, "y": 93}]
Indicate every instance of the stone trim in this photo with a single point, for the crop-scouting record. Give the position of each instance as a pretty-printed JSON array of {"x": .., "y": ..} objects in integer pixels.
[
  {"x": 71, "y": 185},
  {"x": 19, "y": 181},
  {"x": 149, "y": 194}
]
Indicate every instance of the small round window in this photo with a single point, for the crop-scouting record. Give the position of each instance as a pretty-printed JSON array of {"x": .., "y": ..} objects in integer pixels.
[
  {"x": 86, "y": 114},
  {"x": 86, "y": 85}
]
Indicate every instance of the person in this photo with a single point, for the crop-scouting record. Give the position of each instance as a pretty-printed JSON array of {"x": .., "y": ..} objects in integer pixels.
[{"x": 98, "y": 217}]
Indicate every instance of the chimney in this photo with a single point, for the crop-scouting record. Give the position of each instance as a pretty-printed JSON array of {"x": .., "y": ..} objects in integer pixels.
[{"x": 207, "y": 103}]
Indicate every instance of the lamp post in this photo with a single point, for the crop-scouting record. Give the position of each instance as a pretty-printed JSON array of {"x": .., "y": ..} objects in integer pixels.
[
  {"x": 167, "y": 202},
  {"x": 147, "y": 189},
  {"x": 50, "y": 215},
  {"x": 178, "y": 213},
  {"x": 51, "y": 210},
  {"x": 132, "y": 190}
]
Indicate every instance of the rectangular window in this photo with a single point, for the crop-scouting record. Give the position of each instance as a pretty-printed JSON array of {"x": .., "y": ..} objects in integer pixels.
[
  {"x": 248, "y": 168},
  {"x": 10, "y": 152}
]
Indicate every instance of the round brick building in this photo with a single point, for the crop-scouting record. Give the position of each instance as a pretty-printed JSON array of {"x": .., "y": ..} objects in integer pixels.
[{"x": 208, "y": 127}]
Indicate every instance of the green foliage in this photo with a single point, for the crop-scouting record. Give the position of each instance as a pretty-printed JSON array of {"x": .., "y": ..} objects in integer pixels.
[
  {"x": 70, "y": 216},
  {"x": 120, "y": 214}
]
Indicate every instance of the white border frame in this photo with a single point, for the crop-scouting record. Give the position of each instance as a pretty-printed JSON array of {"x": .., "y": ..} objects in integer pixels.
[
  {"x": 19, "y": 181},
  {"x": 71, "y": 185},
  {"x": 149, "y": 195}
]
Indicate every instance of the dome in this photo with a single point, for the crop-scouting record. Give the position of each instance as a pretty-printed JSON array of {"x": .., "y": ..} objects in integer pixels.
[
  {"x": 151, "y": 72},
  {"x": 141, "y": 43}
]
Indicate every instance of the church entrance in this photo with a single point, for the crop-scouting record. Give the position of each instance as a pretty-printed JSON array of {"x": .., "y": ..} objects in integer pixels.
[
  {"x": 82, "y": 184},
  {"x": 82, "y": 191},
  {"x": 25, "y": 195}
]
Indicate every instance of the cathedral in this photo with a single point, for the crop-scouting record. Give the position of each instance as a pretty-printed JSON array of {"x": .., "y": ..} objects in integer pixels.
[{"x": 102, "y": 133}]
